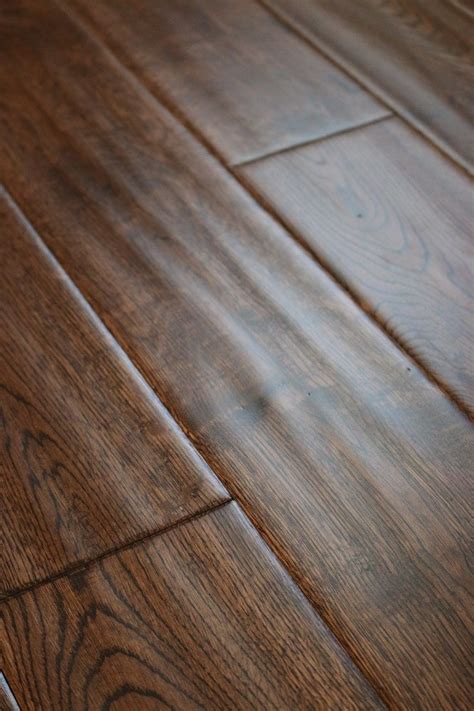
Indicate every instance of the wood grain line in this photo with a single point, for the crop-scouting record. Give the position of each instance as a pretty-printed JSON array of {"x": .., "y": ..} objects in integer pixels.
[
  {"x": 356, "y": 466},
  {"x": 85, "y": 564},
  {"x": 91, "y": 463},
  {"x": 201, "y": 618},
  {"x": 195, "y": 131},
  {"x": 364, "y": 81},
  {"x": 124, "y": 356}
]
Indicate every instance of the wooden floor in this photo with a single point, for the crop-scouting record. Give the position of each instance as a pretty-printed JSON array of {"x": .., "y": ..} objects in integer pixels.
[{"x": 236, "y": 354}]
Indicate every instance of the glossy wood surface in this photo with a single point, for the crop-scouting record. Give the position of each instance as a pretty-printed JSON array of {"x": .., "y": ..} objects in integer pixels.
[
  {"x": 201, "y": 617},
  {"x": 417, "y": 54},
  {"x": 234, "y": 71},
  {"x": 393, "y": 219},
  {"x": 89, "y": 457},
  {"x": 356, "y": 469}
]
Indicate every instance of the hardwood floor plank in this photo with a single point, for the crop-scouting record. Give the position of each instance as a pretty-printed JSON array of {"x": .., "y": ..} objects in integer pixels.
[
  {"x": 393, "y": 220},
  {"x": 417, "y": 54},
  {"x": 89, "y": 458},
  {"x": 355, "y": 468},
  {"x": 201, "y": 617},
  {"x": 248, "y": 84}
]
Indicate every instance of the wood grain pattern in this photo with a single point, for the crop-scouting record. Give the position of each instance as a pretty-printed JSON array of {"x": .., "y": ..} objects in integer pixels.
[
  {"x": 417, "y": 54},
  {"x": 243, "y": 79},
  {"x": 356, "y": 468},
  {"x": 393, "y": 219},
  {"x": 202, "y": 617},
  {"x": 89, "y": 457}
]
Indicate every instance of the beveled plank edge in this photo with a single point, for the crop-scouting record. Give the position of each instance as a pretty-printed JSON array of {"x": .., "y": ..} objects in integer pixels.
[
  {"x": 366, "y": 83},
  {"x": 164, "y": 101},
  {"x": 311, "y": 141},
  {"x": 93, "y": 29},
  {"x": 222, "y": 496},
  {"x": 153, "y": 95},
  {"x": 86, "y": 563},
  {"x": 90, "y": 562},
  {"x": 267, "y": 551},
  {"x": 343, "y": 284}
]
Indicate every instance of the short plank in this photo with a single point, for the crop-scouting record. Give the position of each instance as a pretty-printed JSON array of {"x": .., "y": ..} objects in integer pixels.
[
  {"x": 393, "y": 218},
  {"x": 354, "y": 466},
  {"x": 201, "y": 617},
  {"x": 418, "y": 54},
  {"x": 90, "y": 459},
  {"x": 248, "y": 84}
]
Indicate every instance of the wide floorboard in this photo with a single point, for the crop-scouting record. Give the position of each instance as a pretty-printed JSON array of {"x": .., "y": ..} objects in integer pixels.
[
  {"x": 233, "y": 71},
  {"x": 90, "y": 458},
  {"x": 392, "y": 218},
  {"x": 353, "y": 465},
  {"x": 201, "y": 617},
  {"x": 416, "y": 54},
  {"x": 196, "y": 307}
]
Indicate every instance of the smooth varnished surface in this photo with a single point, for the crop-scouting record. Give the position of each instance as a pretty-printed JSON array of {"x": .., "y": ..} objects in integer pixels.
[
  {"x": 356, "y": 469},
  {"x": 246, "y": 83},
  {"x": 202, "y": 617},
  {"x": 90, "y": 459},
  {"x": 393, "y": 219},
  {"x": 417, "y": 54}
]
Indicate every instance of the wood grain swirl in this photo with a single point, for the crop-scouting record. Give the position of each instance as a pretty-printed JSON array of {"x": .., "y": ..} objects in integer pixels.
[
  {"x": 357, "y": 470},
  {"x": 393, "y": 220},
  {"x": 89, "y": 458},
  {"x": 202, "y": 617}
]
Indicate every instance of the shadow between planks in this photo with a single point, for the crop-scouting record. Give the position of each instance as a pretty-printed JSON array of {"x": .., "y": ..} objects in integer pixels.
[
  {"x": 416, "y": 55},
  {"x": 350, "y": 462},
  {"x": 200, "y": 617}
]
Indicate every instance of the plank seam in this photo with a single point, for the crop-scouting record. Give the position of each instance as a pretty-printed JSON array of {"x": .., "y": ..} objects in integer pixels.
[
  {"x": 161, "y": 98},
  {"x": 92, "y": 313},
  {"x": 365, "y": 83},
  {"x": 90, "y": 562},
  {"x": 312, "y": 141}
]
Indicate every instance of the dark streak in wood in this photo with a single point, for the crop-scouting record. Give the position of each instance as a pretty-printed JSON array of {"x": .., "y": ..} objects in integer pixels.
[
  {"x": 353, "y": 466},
  {"x": 90, "y": 458},
  {"x": 202, "y": 617}
]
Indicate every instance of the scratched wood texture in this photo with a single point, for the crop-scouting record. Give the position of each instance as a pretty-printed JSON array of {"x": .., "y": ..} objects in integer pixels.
[
  {"x": 200, "y": 617},
  {"x": 247, "y": 83},
  {"x": 90, "y": 459},
  {"x": 355, "y": 467},
  {"x": 393, "y": 219},
  {"x": 417, "y": 54}
]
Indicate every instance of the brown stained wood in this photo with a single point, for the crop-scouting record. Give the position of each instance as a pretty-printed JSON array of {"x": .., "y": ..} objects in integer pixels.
[
  {"x": 356, "y": 469},
  {"x": 393, "y": 219},
  {"x": 417, "y": 54},
  {"x": 201, "y": 617},
  {"x": 89, "y": 458},
  {"x": 248, "y": 84}
]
